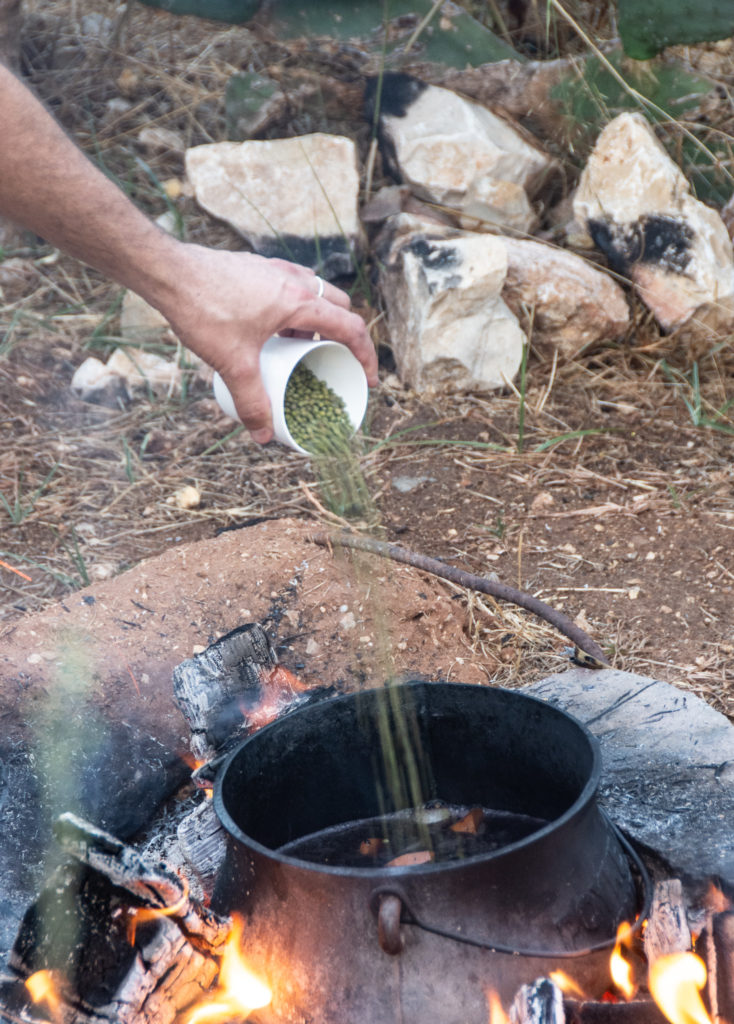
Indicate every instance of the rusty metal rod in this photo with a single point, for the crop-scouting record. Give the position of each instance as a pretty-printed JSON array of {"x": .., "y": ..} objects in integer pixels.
[{"x": 470, "y": 581}]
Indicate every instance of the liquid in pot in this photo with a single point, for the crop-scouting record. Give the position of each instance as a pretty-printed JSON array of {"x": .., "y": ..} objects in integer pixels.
[{"x": 436, "y": 832}]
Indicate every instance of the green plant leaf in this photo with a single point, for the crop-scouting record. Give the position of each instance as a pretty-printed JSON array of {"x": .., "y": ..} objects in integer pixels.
[
  {"x": 647, "y": 26},
  {"x": 246, "y": 93},
  {"x": 590, "y": 96},
  {"x": 232, "y": 11},
  {"x": 456, "y": 40}
]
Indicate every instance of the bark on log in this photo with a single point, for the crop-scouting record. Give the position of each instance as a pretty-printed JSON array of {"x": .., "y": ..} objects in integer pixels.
[{"x": 667, "y": 928}]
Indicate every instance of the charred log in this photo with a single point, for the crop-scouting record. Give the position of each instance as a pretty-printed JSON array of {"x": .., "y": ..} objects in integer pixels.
[
  {"x": 637, "y": 1011},
  {"x": 120, "y": 936},
  {"x": 232, "y": 688},
  {"x": 667, "y": 928},
  {"x": 539, "y": 1003},
  {"x": 203, "y": 844},
  {"x": 717, "y": 946},
  {"x": 215, "y": 688}
]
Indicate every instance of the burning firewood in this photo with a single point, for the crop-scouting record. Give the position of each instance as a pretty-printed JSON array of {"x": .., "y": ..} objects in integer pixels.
[
  {"x": 234, "y": 687},
  {"x": 113, "y": 937},
  {"x": 717, "y": 946},
  {"x": 539, "y": 1003},
  {"x": 214, "y": 688},
  {"x": 667, "y": 928}
]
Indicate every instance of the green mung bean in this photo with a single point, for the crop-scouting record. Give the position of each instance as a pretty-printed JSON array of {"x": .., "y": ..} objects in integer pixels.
[
  {"x": 318, "y": 421},
  {"x": 315, "y": 415}
]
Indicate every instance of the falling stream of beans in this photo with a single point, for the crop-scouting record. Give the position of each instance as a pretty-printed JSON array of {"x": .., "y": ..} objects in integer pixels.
[{"x": 318, "y": 421}]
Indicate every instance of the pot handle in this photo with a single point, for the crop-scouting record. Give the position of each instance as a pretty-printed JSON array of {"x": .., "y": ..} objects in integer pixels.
[
  {"x": 388, "y": 924},
  {"x": 389, "y": 906}
]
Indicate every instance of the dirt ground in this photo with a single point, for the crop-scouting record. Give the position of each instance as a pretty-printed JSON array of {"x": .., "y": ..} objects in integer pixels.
[{"x": 613, "y": 501}]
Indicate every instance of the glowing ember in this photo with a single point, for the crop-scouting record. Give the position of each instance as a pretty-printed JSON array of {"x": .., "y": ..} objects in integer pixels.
[
  {"x": 621, "y": 969},
  {"x": 239, "y": 992},
  {"x": 566, "y": 985},
  {"x": 279, "y": 687},
  {"x": 42, "y": 989},
  {"x": 675, "y": 981}
]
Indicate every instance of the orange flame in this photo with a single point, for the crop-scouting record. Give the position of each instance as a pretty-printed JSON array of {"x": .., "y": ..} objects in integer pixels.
[
  {"x": 566, "y": 984},
  {"x": 42, "y": 989},
  {"x": 621, "y": 969},
  {"x": 716, "y": 900},
  {"x": 497, "y": 1013},
  {"x": 675, "y": 981},
  {"x": 278, "y": 688},
  {"x": 239, "y": 991},
  {"x": 139, "y": 915}
]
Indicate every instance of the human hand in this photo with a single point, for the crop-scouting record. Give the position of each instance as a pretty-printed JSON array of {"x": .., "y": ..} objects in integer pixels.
[{"x": 225, "y": 305}]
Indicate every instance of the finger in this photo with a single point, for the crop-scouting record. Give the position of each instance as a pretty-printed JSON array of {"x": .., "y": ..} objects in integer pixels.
[
  {"x": 338, "y": 324},
  {"x": 315, "y": 284},
  {"x": 336, "y": 295}
]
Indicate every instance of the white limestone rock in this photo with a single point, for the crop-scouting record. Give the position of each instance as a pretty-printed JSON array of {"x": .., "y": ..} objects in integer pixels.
[
  {"x": 94, "y": 382},
  {"x": 449, "y": 326},
  {"x": 89, "y": 376},
  {"x": 635, "y": 204},
  {"x": 142, "y": 325},
  {"x": 139, "y": 368},
  {"x": 157, "y": 139},
  {"x": 457, "y": 153},
  {"x": 293, "y": 198},
  {"x": 573, "y": 303}
]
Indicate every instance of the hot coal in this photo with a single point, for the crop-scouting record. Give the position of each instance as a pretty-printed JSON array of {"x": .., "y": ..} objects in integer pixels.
[{"x": 437, "y": 829}]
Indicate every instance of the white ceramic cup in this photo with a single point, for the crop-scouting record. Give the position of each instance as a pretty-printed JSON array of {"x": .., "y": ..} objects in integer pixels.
[{"x": 328, "y": 360}]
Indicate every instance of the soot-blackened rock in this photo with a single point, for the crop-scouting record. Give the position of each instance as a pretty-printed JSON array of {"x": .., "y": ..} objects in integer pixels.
[
  {"x": 432, "y": 256},
  {"x": 331, "y": 255},
  {"x": 664, "y": 241},
  {"x": 394, "y": 92},
  {"x": 390, "y": 96}
]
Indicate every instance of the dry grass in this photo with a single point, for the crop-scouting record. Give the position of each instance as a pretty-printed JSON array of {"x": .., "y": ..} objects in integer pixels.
[{"x": 636, "y": 433}]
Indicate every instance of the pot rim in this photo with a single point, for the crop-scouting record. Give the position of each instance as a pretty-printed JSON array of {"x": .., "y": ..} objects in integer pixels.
[{"x": 582, "y": 804}]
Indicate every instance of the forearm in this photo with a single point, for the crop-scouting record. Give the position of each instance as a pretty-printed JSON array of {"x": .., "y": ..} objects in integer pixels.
[
  {"x": 48, "y": 185},
  {"x": 223, "y": 305}
]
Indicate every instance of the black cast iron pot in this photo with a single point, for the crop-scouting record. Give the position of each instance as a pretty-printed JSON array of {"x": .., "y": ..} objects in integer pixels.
[{"x": 426, "y": 943}]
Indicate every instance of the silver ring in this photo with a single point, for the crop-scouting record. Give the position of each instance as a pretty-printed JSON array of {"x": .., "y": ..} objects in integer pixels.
[{"x": 320, "y": 291}]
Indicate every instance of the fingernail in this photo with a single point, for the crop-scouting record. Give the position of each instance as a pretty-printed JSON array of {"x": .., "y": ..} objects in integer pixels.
[{"x": 261, "y": 436}]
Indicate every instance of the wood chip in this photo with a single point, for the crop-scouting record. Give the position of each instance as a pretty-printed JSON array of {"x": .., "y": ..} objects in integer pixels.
[
  {"x": 406, "y": 860},
  {"x": 371, "y": 847},
  {"x": 470, "y": 823}
]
